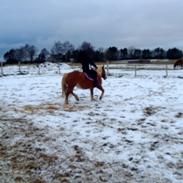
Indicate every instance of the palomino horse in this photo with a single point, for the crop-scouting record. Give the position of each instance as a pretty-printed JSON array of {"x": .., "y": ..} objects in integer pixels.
[
  {"x": 178, "y": 63},
  {"x": 80, "y": 79}
]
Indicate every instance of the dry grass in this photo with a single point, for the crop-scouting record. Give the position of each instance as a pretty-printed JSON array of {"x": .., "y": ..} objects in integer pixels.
[{"x": 51, "y": 108}]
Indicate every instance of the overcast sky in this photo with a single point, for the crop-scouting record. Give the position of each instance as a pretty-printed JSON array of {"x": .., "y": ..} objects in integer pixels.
[{"x": 121, "y": 23}]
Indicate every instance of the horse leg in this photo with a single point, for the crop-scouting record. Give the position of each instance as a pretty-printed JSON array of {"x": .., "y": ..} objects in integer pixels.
[
  {"x": 91, "y": 94},
  {"x": 76, "y": 97},
  {"x": 102, "y": 90},
  {"x": 66, "y": 98},
  {"x": 68, "y": 92}
]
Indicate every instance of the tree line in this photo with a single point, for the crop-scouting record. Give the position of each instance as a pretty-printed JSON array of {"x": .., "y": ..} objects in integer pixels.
[{"x": 66, "y": 52}]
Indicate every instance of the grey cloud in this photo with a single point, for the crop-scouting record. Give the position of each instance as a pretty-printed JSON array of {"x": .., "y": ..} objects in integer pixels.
[{"x": 138, "y": 23}]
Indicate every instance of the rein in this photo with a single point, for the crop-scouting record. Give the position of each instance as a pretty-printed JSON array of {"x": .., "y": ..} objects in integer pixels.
[{"x": 88, "y": 77}]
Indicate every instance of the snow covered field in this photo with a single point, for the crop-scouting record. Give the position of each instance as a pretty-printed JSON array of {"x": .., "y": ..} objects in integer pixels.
[{"x": 135, "y": 134}]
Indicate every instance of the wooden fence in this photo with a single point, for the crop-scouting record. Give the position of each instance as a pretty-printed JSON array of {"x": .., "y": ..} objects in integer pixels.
[
  {"x": 57, "y": 68},
  {"x": 137, "y": 67}
]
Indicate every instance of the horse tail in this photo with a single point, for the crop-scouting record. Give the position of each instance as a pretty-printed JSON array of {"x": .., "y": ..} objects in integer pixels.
[{"x": 64, "y": 84}]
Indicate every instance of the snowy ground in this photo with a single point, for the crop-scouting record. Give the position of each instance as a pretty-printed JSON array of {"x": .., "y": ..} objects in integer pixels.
[{"x": 135, "y": 134}]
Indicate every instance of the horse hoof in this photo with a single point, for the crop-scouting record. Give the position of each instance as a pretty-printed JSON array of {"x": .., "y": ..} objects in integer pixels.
[
  {"x": 93, "y": 99},
  {"x": 66, "y": 103}
]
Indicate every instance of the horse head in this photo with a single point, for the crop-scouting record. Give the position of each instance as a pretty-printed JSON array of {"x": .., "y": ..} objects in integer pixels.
[{"x": 101, "y": 71}]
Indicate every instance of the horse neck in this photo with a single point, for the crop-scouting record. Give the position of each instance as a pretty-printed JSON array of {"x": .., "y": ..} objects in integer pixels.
[{"x": 99, "y": 71}]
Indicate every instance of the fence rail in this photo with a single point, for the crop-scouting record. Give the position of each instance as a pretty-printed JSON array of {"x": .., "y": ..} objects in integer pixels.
[
  {"x": 47, "y": 68},
  {"x": 136, "y": 68}
]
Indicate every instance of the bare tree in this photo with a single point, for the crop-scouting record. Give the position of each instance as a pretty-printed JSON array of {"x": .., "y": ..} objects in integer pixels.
[
  {"x": 111, "y": 53},
  {"x": 19, "y": 57},
  {"x": 60, "y": 50},
  {"x": 31, "y": 50}
]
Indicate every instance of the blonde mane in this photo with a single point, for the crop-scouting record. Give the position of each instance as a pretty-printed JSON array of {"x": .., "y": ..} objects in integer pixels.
[{"x": 100, "y": 69}]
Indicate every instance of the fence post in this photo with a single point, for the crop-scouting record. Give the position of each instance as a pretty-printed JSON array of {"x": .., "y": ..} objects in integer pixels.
[
  {"x": 39, "y": 71},
  {"x": 2, "y": 69},
  {"x": 58, "y": 68},
  {"x": 19, "y": 67},
  {"x": 135, "y": 70},
  {"x": 166, "y": 69},
  {"x": 107, "y": 68}
]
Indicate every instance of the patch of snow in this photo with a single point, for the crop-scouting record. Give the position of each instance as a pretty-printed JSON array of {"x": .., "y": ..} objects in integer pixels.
[{"x": 138, "y": 124}]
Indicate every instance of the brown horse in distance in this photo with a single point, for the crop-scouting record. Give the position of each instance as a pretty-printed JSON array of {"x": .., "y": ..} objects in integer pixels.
[
  {"x": 79, "y": 79},
  {"x": 178, "y": 63}
]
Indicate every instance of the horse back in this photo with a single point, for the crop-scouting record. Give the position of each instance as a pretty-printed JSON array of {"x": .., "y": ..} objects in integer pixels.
[
  {"x": 79, "y": 78},
  {"x": 72, "y": 77}
]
